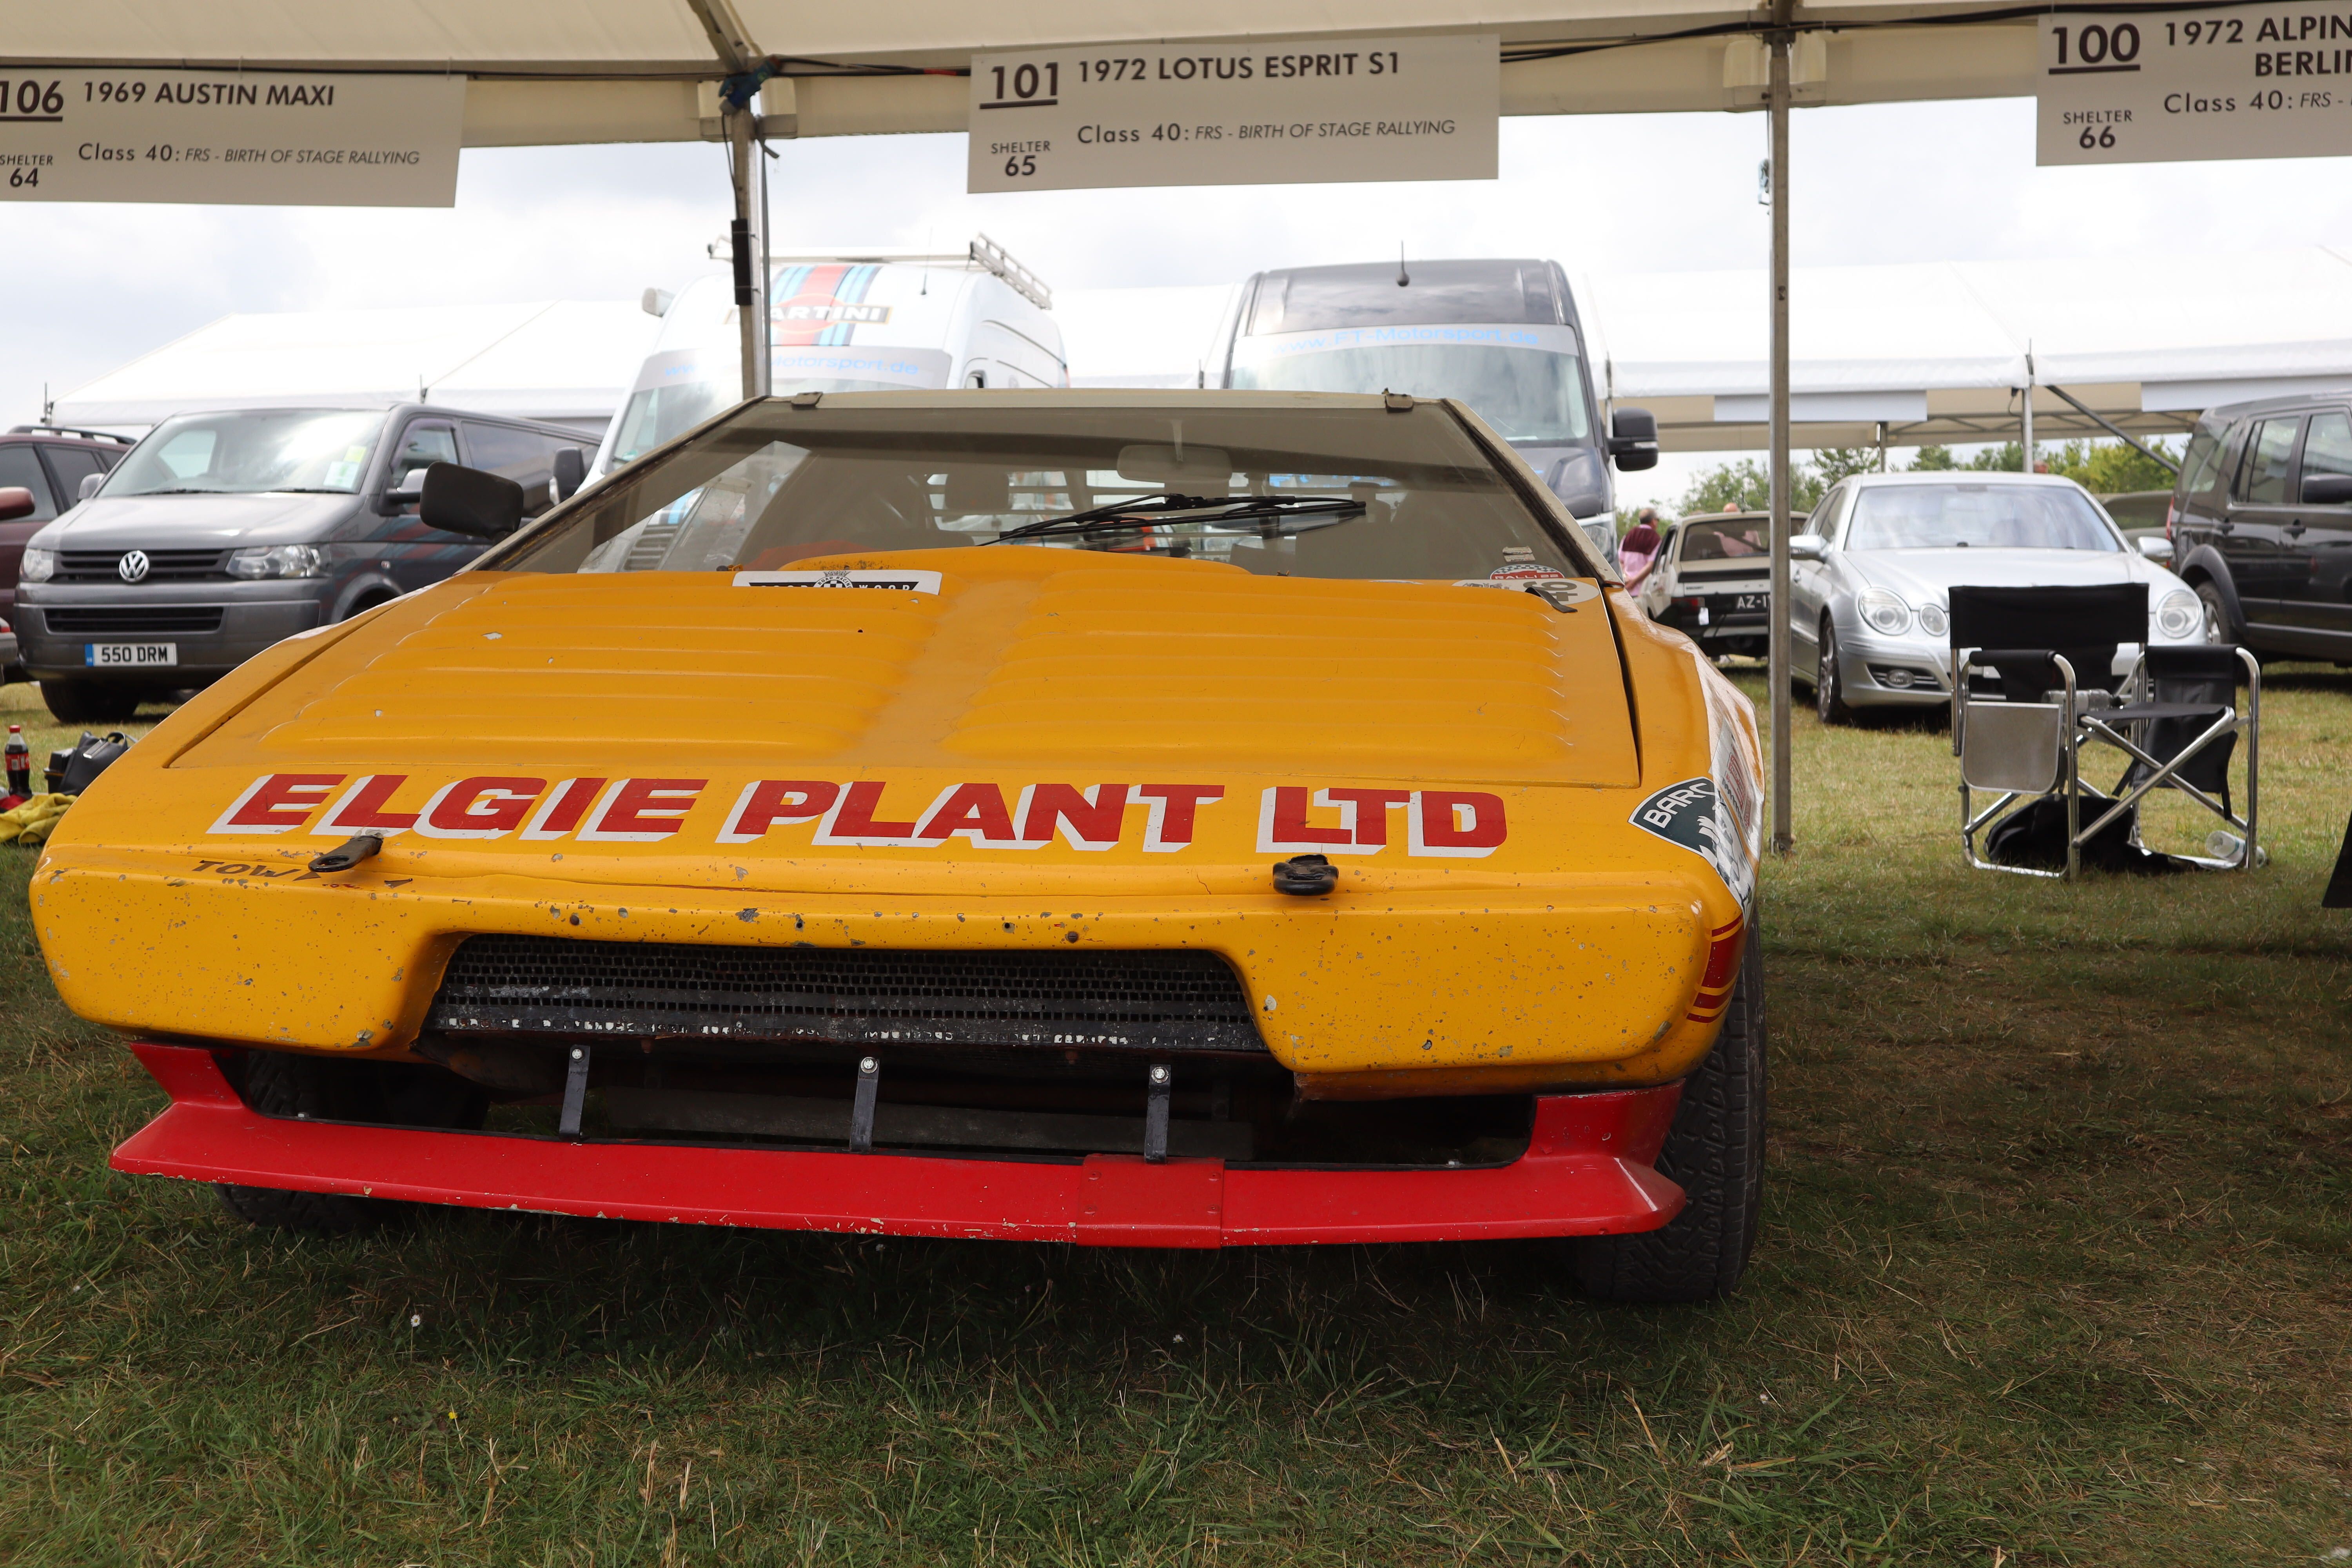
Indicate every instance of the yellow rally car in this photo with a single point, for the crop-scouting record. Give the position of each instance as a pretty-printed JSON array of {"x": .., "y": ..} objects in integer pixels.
[{"x": 1128, "y": 818}]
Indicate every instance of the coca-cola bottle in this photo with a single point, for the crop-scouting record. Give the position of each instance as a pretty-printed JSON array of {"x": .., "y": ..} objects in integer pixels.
[{"x": 20, "y": 761}]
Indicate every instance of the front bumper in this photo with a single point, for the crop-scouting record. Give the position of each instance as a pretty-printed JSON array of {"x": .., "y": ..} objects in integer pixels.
[
  {"x": 251, "y": 617},
  {"x": 1588, "y": 1170}
]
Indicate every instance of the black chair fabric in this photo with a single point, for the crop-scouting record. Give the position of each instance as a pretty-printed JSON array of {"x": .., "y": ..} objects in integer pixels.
[
  {"x": 2085, "y": 624},
  {"x": 2188, "y": 688}
]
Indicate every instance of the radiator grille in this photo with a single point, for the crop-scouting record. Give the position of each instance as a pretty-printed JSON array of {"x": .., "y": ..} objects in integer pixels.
[
  {"x": 1164, "y": 1000},
  {"x": 162, "y": 565},
  {"x": 138, "y": 620}
]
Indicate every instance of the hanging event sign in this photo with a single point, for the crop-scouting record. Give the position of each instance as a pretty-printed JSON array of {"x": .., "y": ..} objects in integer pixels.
[
  {"x": 2252, "y": 81},
  {"x": 1257, "y": 114},
  {"x": 240, "y": 137}
]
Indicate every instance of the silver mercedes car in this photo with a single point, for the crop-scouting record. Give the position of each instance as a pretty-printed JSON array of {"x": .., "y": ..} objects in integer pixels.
[{"x": 1869, "y": 581}]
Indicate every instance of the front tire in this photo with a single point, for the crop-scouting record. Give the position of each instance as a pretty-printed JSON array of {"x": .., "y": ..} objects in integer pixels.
[
  {"x": 1829, "y": 686},
  {"x": 90, "y": 701},
  {"x": 1716, "y": 1152},
  {"x": 2217, "y": 629},
  {"x": 321, "y": 1088}
]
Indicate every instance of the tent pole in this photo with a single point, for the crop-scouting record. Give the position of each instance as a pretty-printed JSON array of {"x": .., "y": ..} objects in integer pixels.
[
  {"x": 747, "y": 298},
  {"x": 767, "y": 276},
  {"x": 1778, "y": 643},
  {"x": 2027, "y": 407}
]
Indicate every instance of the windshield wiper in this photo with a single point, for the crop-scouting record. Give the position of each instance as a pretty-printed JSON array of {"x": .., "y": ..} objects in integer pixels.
[{"x": 1168, "y": 506}]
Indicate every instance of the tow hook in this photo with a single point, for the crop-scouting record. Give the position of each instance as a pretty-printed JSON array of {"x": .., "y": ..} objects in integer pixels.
[
  {"x": 1306, "y": 876},
  {"x": 347, "y": 854}
]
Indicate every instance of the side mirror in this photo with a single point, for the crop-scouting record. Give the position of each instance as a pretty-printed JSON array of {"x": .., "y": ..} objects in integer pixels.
[
  {"x": 571, "y": 469},
  {"x": 1633, "y": 439},
  {"x": 2327, "y": 489},
  {"x": 406, "y": 491},
  {"x": 90, "y": 483},
  {"x": 1808, "y": 547},
  {"x": 458, "y": 500},
  {"x": 2156, "y": 547},
  {"x": 16, "y": 501}
]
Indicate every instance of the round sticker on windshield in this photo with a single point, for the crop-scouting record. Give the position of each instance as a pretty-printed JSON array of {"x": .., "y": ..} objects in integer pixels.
[{"x": 1522, "y": 572}]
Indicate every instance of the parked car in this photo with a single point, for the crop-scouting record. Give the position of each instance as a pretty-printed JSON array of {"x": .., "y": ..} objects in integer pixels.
[
  {"x": 1394, "y": 931},
  {"x": 221, "y": 533},
  {"x": 2140, "y": 514},
  {"x": 1712, "y": 581},
  {"x": 7, "y": 646},
  {"x": 50, "y": 463},
  {"x": 1869, "y": 582},
  {"x": 1502, "y": 335},
  {"x": 849, "y": 321},
  {"x": 2262, "y": 524}
]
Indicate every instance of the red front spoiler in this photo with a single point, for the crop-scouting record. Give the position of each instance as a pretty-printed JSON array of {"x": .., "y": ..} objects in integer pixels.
[{"x": 1587, "y": 1172}]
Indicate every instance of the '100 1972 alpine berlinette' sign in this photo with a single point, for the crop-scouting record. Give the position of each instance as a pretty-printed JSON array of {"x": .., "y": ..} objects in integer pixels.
[
  {"x": 2238, "y": 82},
  {"x": 1236, "y": 114}
]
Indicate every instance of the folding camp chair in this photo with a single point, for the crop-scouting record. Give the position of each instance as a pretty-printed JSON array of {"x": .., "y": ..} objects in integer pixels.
[{"x": 2034, "y": 684}]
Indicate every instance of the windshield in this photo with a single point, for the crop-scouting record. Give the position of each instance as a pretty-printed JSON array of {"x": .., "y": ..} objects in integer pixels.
[
  {"x": 1734, "y": 539},
  {"x": 1353, "y": 491},
  {"x": 1991, "y": 517},
  {"x": 246, "y": 454},
  {"x": 1526, "y": 382}
]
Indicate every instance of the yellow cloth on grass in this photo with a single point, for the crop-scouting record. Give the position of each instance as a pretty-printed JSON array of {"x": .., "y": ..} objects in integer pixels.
[{"x": 30, "y": 823}]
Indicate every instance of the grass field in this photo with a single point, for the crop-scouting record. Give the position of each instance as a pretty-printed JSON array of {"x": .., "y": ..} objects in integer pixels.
[{"x": 2055, "y": 1270}]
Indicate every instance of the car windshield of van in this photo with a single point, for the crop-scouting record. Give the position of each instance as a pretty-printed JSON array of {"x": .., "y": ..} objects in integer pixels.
[
  {"x": 277, "y": 450},
  {"x": 1359, "y": 493},
  {"x": 1529, "y": 392},
  {"x": 1991, "y": 517},
  {"x": 1734, "y": 539}
]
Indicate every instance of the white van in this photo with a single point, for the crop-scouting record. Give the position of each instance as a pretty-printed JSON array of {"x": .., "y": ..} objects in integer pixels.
[{"x": 875, "y": 321}]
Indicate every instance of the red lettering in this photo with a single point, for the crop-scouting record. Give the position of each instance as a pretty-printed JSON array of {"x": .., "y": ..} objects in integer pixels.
[
  {"x": 276, "y": 803},
  {"x": 1174, "y": 809},
  {"x": 562, "y": 812},
  {"x": 1287, "y": 826},
  {"x": 853, "y": 820},
  {"x": 483, "y": 807},
  {"x": 1467, "y": 823},
  {"x": 1368, "y": 812},
  {"x": 763, "y": 804},
  {"x": 361, "y": 809},
  {"x": 975, "y": 811},
  {"x": 1090, "y": 823},
  {"x": 643, "y": 810}
]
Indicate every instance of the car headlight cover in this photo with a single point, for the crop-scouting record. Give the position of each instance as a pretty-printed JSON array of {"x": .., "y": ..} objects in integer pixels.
[
  {"x": 1931, "y": 620},
  {"x": 276, "y": 561},
  {"x": 2178, "y": 614},
  {"x": 38, "y": 566},
  {"x": 1883, "y": 612}
]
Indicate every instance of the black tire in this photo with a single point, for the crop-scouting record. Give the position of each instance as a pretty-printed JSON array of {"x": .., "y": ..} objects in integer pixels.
[
  {"x": 321, "y": 1088},
  {"x": 1829, "y": 687},
  {"x": 90, "y": 701},
  {"x": 2218, "y": 625},
  {"x": 1716, "y": 1152}
]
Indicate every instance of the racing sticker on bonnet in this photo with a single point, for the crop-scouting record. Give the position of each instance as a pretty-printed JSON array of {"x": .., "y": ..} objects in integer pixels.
[
  {"x": 1694, "y": 815},
  {"x": 903, "y": 582}
]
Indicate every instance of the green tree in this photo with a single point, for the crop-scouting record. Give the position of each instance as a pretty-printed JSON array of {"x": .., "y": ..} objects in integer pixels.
[
  {"x": 1746, "y": 486},
  {"x": 1934, "y": 459},
  {"x": 2008, "y": 457},
  {"x": 1835, "y": 463}
]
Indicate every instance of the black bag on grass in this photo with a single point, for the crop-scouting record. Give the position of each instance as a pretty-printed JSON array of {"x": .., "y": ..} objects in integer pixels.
[
  {"x": 2034, "y": 836},
  {"x": 72, "y": 768}
]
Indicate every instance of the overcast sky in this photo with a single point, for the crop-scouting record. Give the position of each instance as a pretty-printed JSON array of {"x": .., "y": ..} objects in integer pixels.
[{"x": 87, "y": 288}]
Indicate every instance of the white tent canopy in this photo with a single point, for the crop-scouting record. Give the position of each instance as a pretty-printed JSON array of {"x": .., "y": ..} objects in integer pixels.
[
  {"x": 641, "y": 70},
  {"x": 569, "y": 360}
]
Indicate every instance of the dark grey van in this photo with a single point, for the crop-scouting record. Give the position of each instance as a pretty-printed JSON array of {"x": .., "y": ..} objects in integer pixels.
[
  {"x": 1501, "y": 335},
  {"x": 222, "y": 532},
  {"x": 2262, "y": 524}
]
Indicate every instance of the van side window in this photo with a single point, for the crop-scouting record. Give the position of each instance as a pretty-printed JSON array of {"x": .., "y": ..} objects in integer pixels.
[
  {"x": 525, "y": 456},
  {"x": 2199, "y": 464},
  {"x": 2328, "y": 449},
  {"x": 422, "y": 446},
  {"x": 2263, "y": 475},
  {"x": 20, "y": 464}
]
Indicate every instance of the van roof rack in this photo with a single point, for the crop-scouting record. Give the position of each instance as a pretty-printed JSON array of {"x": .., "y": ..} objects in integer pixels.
[
  {"x": 70, "y": 430},
  {"x": 983, "y": 253}
]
